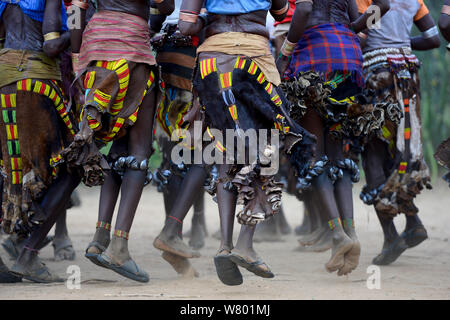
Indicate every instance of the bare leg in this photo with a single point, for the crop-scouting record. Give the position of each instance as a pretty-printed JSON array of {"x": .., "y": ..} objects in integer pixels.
[
  {"x": 61, "y": 243},
  {"x": 227, "y": 271},
  {"x": 170, "y": 238},
  {"x": 344, "y": 200},
  {"x": 227, "y": 208},
  {"x": 52, "y": 205},
  {"x": 268, "y": 230},
  {"x": 5, "y": 275},
  {"x": 373, "y": 157},
  {"x": 311, "y": 217},
  {"x": 244, "y": 243},
  {"x": 373, "y": 160},
  {"x": 324, "y": 191},
  {"x": 245, "y": 256},
  {"x": 305, "y": 227},
  {"x": 117, "y": 257},
  {"x": 283, "y": 224},
  {"x": 109, "y": 194},
  {"x": 198, "y": 229},
  {"x": 415, "y": 232},
  {"x": 322, "y": 232},
  {"x": 171, "y": 192}
]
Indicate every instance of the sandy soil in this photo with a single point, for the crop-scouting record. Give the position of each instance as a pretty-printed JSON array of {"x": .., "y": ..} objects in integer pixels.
[{"x": 420, "y": 273}]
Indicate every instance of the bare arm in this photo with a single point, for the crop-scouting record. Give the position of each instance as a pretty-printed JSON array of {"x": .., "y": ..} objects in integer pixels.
[
  {"x": 190, "y": 23},
  {"x": 156, "y": 18},
  {"x": 303, "y": 9},
  {"x": 54, "y": 42},
  {"x": 279, "y": 9},
  {"x": 362, "y": 22},
  {"x": 165, "y": 7},
  {"x": 444, "y": 20},
  {"x": 353, "y": 12},
  {"x": 77, "y": 23},
  {"x": 430, "y": 35}
]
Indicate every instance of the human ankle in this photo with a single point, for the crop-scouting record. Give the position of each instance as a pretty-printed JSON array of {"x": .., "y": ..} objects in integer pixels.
[
  {"x": 226, "y": 246},
  {"x": 103, "y": 233},
  {"x": 27, "y": 256},
  {"x": 335, "y": 225},
  {"x": 118, "y": 249},
  {"x": 412, "y": 222},
  {"x": 349, "y": 228},
  {"x": 173, "y": 227}
]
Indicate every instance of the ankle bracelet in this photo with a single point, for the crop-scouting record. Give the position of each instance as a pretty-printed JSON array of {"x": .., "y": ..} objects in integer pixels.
[
  {"x": 121, "y": 234},
  {"x": 334, "y": 223},
  {"x": 31, "y": 249},
  {"x": 103, "y": 225},
  {"x": 176, "y": 219},
  {"x": 348, "y": 223}
]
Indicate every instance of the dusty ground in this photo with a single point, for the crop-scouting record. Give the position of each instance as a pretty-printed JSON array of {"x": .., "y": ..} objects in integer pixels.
[{"x": 420, "y": 273}]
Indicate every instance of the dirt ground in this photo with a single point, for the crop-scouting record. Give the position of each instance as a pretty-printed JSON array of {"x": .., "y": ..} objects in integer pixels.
[{"x": 420, "y": 273}]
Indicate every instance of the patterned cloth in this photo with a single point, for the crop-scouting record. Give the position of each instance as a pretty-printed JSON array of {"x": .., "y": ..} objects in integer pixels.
[
  {"x": 112, "y": 36},
  {"x": 34, "y": 9},
  {"x": 31, "y": 145},
  {"x": 120, "y": 101},
  {"x": 176, "y": 56},
  {"x": 393, "y": 74},
  {"x": 237, "y": 94},
  {"x": 29, "y": 86},
  {"x": 251, "y": 46},
  {"x": 325, "y": 49},
  {"x": 16, "y": 65}
]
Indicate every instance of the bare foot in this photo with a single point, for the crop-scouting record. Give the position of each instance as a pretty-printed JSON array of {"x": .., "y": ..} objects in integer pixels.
[
  {"x": 117, "y": 258},
  {"x": 63, "y": 249},
  {"x": 250, "y": 261},
  {"x": 324, "y": 243},
  {"x": 311, "y": 238},
  {"x": 351, "y": 258},
  {"x": 34, "y": 270},
  {"x": 305, "y": 227},
  {"x": 341, "y": 245},
  {"x": 197, "y": 236},
  {"x": 181, "y": 265}
]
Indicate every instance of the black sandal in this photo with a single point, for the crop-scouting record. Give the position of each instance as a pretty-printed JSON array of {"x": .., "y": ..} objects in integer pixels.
[
  {"x": 128, "y": 269},
  {"x": 93, "y": 256},
  {"x": 252, "y": 266},
  {"x": 7, "y": 277},
  {"x": 227, "y": 271}
]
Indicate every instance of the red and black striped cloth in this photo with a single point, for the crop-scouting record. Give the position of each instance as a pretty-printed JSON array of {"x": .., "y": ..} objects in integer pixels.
[
  {"x": 112, "y": 36},
  {"x": 325, "y": 49}
]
